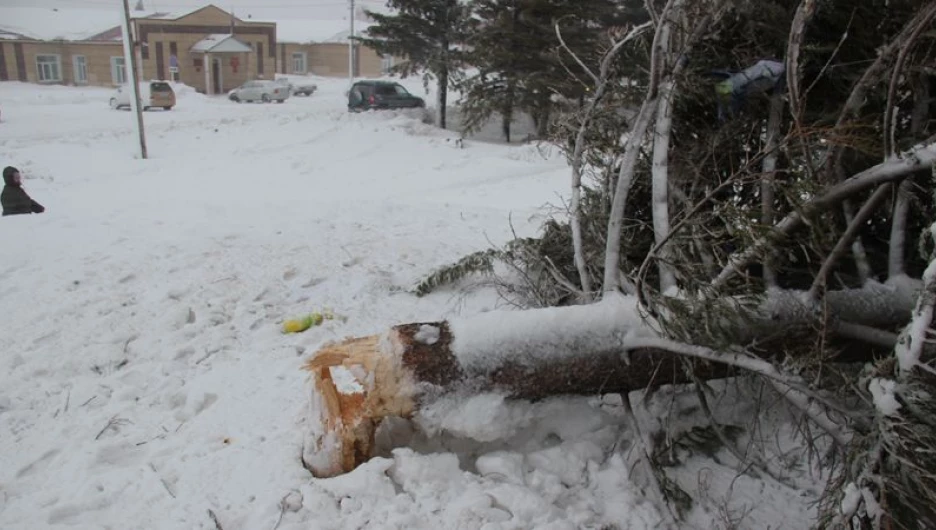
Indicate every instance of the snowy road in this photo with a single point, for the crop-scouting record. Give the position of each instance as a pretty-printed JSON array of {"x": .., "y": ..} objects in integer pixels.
[
  {"x": 143, "y": 377},
  {"x": 149, "y": 296}
]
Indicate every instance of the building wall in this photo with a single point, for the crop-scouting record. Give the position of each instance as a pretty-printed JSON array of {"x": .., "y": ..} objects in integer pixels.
[
  {"x": 159, "y": 37},
  {"x": 329, "y": 59},
  {"x": 97, "y": 58},
  {"x": 191, "y": 69}
]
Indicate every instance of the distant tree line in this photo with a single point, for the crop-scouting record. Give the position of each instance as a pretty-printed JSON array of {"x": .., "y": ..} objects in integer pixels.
[{"x": 504, "y": 56}]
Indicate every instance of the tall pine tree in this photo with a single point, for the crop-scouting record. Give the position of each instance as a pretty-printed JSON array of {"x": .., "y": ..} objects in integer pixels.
[{"x": 427, "y": 34}]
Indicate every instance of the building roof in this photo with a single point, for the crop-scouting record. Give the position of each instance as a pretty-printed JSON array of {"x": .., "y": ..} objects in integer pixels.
[
  {"x": 220, "y": 43},
  {"x": 308, "y": 31},
  {"x": 56, "y": 24},
  {"x": 103, "y": 25},
  {"x": 11, "y": 35}
]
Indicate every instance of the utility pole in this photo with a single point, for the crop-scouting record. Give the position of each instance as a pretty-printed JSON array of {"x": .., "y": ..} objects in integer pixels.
[
  {"x": 130, "y": 67},
  {"x": 351, "y": 48}
]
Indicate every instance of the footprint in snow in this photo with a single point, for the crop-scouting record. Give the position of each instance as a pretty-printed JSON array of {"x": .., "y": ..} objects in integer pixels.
[
  {"x": 118, "y": 455},
  {"x": 67, "y": 513},
  {"x": 195, "y": 406},
  {"x": 38, "y": 464}
]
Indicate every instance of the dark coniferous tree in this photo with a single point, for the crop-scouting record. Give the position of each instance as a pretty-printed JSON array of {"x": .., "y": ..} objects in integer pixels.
[{"x": 427, "y": 34}]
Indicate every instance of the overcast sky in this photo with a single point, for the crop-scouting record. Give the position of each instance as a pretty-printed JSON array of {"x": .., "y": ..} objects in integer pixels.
[{"x": 280, "y": 9}]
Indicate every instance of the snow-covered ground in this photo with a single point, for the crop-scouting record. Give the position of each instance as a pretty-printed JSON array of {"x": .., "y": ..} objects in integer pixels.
[{"x": 144, "y": 380}]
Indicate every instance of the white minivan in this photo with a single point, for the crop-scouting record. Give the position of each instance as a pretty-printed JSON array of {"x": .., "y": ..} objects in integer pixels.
[{"x": 153, "y": 95}]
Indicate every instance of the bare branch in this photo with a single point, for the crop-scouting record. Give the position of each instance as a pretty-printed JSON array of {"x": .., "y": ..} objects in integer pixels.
[
  {"x": 884, "y": 172},
  {"x": 890, "y": 147},
  {"x": 644, "y": 456},
  {"x": 788, "y": 386},
  {"x": 804, "y": 12},
  {"x": 601, "y": 84},
  {"x": 854, "y": 228},
  {"x": 575, "y": 56},
  {"x": 769, "y": 169},
  {"x": 898, "y": 235},
  {"x": 858, "y": 95}
]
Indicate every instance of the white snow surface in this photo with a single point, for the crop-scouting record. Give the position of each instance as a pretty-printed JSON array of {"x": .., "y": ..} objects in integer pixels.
[
  {"x": 144, "y": 379},
  {"x": 882, "y": 391}
]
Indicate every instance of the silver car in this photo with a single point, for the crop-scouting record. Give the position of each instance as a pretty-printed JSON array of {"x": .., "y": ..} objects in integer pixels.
[{"x": 265, "y": 91}]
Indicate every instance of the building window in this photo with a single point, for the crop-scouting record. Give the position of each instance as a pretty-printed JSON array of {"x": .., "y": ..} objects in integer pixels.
[
  {"x": 299, "y": 62},
  {"x": 386, "y": 63},
  {"x": 118, "y": 70},
  {"x": 50, "y": 68},
  {"x": 80, "y": 64}
]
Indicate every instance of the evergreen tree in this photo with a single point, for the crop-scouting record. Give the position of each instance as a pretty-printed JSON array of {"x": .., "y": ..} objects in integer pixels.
[
  {"x": 427, "y": 33},
  {"x": 517, "y": 54}
]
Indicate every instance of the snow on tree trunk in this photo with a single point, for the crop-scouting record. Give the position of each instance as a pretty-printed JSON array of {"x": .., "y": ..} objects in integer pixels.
[
  {"x": 612, "y": 278},
  {"x": 660, "y": 183}
]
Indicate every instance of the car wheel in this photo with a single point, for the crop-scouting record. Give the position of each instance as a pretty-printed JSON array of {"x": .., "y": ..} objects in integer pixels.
[
  {"x": 167, "y": 108},
  {"x": 113, "y": 103},
  {"x": 280, "y": 100},
  {"x": 265, "y": 98}
]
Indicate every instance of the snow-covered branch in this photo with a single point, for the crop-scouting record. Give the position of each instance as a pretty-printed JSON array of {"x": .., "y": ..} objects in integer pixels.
[
  {"x": 889, "y": 171},
  {"x": 577, "y": 162}
]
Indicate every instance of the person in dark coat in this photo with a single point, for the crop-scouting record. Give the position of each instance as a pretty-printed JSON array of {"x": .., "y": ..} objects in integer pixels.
[{"x": 14, "y": 198}]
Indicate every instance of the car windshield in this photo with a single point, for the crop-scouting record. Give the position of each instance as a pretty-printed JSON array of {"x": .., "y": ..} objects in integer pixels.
[
  {"x": 160, "y": 87},
  {"x": 391, "y": 90}
]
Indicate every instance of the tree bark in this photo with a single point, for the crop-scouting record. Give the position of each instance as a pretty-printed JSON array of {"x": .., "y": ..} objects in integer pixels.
[
  {"x": 769, "y": 170},
  {"x": 898, "y": 235},
  {"x": 660, "y": 183},
  {"x": 443, "y": 94}
]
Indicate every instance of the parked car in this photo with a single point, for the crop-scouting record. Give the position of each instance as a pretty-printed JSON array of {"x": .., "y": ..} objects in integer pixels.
[
  {"x": 265, "y": 91},
  {"x": 375, "y": 95},
  {"x": 302, "y": 88},
  {"x": 297, "y": 87},
  {"x": 153, "y": 95}
]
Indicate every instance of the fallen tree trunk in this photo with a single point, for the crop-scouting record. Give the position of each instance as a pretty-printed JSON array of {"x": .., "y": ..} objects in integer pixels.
[
  {"x": 359, "y": 382},
  {"x": 585, "y": 350}
]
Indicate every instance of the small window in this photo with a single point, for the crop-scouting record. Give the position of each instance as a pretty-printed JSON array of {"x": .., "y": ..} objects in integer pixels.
[
  {"x": 299, "y": 62},
  {"x": 118, "y": 70},
  {"x": 386, "y": 63},
  {"x": 50, "y": 68},
  {"x": 80, "y": 64}
]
